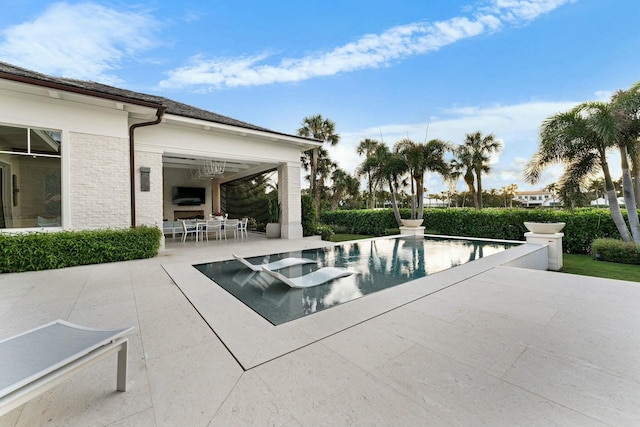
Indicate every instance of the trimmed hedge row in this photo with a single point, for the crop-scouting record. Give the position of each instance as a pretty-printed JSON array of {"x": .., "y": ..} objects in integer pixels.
[
  {"x": 583, "y": 225},
  {"x": 44, "y": 251},
  {"x": 613, "y": 250}
]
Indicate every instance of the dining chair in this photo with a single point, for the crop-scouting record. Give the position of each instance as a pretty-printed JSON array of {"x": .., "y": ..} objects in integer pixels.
[
  {"x": 242, "y": 227},
  {"x": 231, "y": 225},
  {"x": 213, "y": 226},
  {"x": 188, "y": 229}
]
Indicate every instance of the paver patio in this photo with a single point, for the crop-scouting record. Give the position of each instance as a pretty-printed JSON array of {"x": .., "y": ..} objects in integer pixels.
[{"x": 502, "y": 346}]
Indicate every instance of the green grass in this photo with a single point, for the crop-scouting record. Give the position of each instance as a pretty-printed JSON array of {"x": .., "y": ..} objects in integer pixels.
[
  {"x": 587, "y": 266},
  {"x": 345, "y": 237}
]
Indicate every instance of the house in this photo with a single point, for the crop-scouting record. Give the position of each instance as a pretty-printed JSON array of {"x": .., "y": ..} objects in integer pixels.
[
  {"x": 537, "y": 198},
  {"x": 603, "y": 201},
  {"x": 79, "y": 155}
]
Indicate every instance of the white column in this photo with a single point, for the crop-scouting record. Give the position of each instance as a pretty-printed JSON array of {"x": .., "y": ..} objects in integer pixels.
[
  {"x": 554, "y": 242},
  {"x": 289, "y": 197}
]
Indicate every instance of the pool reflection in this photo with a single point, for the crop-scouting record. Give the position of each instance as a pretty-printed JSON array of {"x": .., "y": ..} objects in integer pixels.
[{"x": 379, "y": 263}]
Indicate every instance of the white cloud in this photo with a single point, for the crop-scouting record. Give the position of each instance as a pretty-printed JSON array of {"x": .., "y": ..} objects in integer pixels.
[
  {"x": 84, "y": 41},
  {"x": 369, "y": 51}
]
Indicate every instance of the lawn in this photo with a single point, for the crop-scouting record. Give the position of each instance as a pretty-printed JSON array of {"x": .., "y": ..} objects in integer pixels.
[{"x": 587, "y": 266}]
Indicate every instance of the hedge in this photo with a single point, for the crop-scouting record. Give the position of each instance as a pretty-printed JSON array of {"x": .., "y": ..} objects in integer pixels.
[
  {"x": 583, "y": 225},
  {"x": 44, "y": 251},
  {"x": 614, "y": 250}
]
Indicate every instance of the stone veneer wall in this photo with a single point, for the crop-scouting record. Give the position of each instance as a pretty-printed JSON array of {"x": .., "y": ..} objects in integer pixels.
[
  {"x": 99, "y": 187},
  {"x": 149, "y": 203},
  {"x": 290, "y": 203}
]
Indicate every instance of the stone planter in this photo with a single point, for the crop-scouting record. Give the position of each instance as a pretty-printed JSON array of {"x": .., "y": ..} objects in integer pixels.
[
  {"x": 412, "y": 222},
  {"x": 544, "y": 227},
  {"x": 273, "y": 230}
]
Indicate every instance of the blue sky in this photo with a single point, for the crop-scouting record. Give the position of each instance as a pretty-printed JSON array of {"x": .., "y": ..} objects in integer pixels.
[{"x": 376, "y": 68}]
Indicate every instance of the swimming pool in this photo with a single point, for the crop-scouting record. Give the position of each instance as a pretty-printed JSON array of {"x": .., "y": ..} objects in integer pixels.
[{"x": 378, "y": 263}]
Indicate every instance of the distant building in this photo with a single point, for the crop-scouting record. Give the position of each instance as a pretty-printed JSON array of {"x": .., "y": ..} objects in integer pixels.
[
  {"x": 603, "y": 201},
  {"x": 543, "y": 198},
  {"x": 435, "y": 203}
]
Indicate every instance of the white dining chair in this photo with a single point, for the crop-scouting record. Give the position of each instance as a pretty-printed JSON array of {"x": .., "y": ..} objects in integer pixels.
[
  {"x": 242, "y": 227},
  {"x": 213, "y": 226},
  {"x": 231, "y": 225},
  {"x": 188, "y": 229}
]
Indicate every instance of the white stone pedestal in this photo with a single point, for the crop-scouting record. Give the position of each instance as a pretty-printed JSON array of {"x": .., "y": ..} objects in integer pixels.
[
  {"x": 554, "y": 242},
  {"x": 417, "y": 232}
]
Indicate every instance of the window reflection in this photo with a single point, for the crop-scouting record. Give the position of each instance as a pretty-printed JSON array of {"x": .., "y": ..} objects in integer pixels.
[{"x": 30, "y": 178}]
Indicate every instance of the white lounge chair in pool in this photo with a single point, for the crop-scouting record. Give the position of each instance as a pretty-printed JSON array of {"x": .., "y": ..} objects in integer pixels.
[
  {"x": 276, "y": 265},
  {"x": 36, "y": 360},
  {"x": 315, "y": 278}
]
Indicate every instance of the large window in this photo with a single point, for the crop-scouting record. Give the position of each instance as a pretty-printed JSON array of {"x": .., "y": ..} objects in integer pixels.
[{"x": 30, "y": 177}]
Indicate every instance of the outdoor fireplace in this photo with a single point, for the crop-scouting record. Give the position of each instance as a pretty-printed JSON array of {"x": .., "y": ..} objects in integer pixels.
[{"x": 196, "y": 214}]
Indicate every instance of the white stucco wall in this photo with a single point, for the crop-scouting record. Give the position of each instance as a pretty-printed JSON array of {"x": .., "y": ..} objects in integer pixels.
[
  {"x": 149, "y": 203},
  {"x": 216, "y": 144}
]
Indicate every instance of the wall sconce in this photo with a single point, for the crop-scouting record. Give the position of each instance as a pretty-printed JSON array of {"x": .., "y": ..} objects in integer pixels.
[{"x": 145, "y": 181}]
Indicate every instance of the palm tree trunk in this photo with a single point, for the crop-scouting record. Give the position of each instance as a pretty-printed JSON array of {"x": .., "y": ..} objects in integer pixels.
[
  {"x": 420, "y": 186},
  {"x": 614, "y": 207},
  {"x": 636, "y": 177},
  {"x": 319, "y": 190},
  {"x": 479, "y": 180},
  {"x": 371, "y": 195},
  {"x": 629, "y": 196},
  {"x": 413, "y": 199},
  {"x": 470, "y": 181},
  {"x": 394, "y": 204},
  {"x": 313, "y": 184}
]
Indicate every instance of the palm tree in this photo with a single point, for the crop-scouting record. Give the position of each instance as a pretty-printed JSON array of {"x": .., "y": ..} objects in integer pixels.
[
  {"x": 626, "y": 110},
  {"x": 597, "y": 187},
  {"x": 323, "y": 130},
  {"x": 509, "y": 193},
  {"x": 343, "y": 185},
  {"x": 367, "y": 147},
  {"x": 479, "y": 149},
  {"x": 568, "y": 138},
  {"x": 462, "y": 165},
  {"x": 387, "y": 167},
  {"x": 420, "y": 159},
  {"x": 611, "y": 123},
  {"x": 324, "y": 168}
]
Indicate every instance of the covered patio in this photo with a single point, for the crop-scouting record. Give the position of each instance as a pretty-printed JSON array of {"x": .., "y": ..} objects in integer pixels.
[{"x": 494, "y": 345}]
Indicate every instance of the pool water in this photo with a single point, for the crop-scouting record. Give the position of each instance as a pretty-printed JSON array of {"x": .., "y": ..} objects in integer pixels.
[{"x": 378, "y": 264}]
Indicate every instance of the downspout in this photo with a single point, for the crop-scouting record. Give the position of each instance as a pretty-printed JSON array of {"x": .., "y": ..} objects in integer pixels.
[{"x": 132, "y": 159}]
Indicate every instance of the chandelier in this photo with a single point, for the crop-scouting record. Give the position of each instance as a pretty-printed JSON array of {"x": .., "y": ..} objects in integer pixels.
[{"x": 207, "y": 169}]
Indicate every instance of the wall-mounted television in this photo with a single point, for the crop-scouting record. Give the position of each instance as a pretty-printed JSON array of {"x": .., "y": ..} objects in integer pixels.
[{"x": 188, "y": 196}]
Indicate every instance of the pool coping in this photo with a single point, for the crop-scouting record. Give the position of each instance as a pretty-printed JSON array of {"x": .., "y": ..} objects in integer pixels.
[{"x": 252, "y": 340}]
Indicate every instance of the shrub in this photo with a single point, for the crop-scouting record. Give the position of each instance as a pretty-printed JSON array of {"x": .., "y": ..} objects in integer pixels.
[
  {"x": 582, "y": 225},
  {"x": 366, "y": 221},
  {"x": 44, "y": 251},
  {"x": 309, "y": 216},
  {"x": 339, "y": 229},
  {"x": 614, "y": 250},
  {"x": 325, "y": 231}
]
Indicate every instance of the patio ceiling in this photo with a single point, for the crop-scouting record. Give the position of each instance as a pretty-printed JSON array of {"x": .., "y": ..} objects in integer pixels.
[{"x": 233, "y": 168}]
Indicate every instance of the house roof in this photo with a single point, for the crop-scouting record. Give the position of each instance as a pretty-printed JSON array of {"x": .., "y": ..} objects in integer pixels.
[{"x": 11, "y": 72}]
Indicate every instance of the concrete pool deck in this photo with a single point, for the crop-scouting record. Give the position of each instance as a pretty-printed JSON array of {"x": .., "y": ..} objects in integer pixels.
[{"x": 484, "y": 344}]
